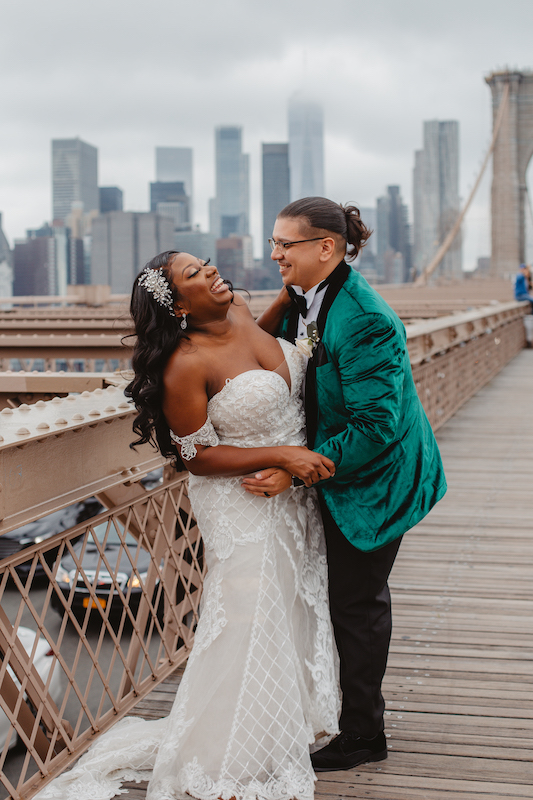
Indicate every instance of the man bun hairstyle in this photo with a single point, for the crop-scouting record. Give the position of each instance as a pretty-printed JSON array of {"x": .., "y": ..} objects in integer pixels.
[{"x": 326, "y": 216}]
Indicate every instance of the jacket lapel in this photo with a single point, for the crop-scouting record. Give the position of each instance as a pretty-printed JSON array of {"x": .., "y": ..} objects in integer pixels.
[{"x": 337, "y": 278}]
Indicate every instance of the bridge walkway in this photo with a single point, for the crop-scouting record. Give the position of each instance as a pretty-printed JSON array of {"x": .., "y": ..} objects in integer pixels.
[{"x": 459, "y": 685}]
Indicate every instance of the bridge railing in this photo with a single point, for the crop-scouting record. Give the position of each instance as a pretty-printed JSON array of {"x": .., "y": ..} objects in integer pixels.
[
  {"x": 115, "y": 599},
  {"x": 453, "y": 357}
]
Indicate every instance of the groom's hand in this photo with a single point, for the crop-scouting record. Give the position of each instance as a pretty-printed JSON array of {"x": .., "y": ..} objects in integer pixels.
[{"x": 268, "y": 483}]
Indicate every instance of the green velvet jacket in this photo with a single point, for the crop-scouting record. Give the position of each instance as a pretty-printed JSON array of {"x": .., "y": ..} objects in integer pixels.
[{"x": 369, "y": 420}]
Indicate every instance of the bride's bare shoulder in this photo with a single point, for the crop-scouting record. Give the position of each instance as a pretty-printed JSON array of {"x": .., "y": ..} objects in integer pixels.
[{"x": 185, "y": 362}]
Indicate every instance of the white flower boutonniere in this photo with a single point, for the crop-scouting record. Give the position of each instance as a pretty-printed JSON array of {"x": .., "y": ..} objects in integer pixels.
[{"x": 307, "y": 345}]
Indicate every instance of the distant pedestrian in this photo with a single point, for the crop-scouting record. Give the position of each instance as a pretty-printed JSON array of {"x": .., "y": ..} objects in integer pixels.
[{"x": 522, "y": 286}]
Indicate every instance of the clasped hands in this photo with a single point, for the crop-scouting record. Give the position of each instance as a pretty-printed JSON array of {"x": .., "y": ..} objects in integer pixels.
[{"x": 300, "y": 462}]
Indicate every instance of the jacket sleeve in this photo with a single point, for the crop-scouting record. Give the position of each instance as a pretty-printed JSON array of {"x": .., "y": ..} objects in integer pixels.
[
  {"x": 282, "y": 330},
  {"x": 370, "y": 356}
]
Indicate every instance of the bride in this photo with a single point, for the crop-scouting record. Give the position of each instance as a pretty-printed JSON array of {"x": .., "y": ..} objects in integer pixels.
[{"x": 260, "y": 683}]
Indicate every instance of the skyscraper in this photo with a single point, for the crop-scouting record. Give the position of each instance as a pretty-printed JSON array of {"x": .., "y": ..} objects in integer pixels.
[
  {"x": 174, "y": 164},
  {"x": 79, "y": 226},
  {"x": 203, "y": 245},
  {"x": 365, "y": 263},
  {"x": 74, "y": 177},
  {"x": 6, "y": 271},
  {"x": 436, "y": 202},
  {"x": 111, "y": 199},
  {"x": 230, "y": 209},
  {"x": 234, "y": 258},
  {"x": 276, "y": 193},
  {"x": 393, "y": 262},
  {"x": 123, "y": 242},
  {"x": 306, "y": 148},
  {"x": 41, "y": 261},
  {"x": 31, "y": 266},
  {"x": 169, "y": 199}
]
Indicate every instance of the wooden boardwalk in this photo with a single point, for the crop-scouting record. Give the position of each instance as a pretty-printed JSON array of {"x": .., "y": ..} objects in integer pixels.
[{"x": 459, "y": 685}]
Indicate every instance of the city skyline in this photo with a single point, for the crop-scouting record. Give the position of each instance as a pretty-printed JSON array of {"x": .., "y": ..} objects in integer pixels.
[
  {"x": 186, "y": 157},
  {"x": 377, "y": 83},
  {"x": 436, "y": 200}
]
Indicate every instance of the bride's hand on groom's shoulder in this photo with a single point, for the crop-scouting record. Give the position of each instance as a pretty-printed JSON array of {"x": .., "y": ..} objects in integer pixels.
[{"x": 268, "y": 483}]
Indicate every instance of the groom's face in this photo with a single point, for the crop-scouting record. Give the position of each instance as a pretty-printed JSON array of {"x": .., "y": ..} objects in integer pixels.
[{"x": 299, "y": 264}]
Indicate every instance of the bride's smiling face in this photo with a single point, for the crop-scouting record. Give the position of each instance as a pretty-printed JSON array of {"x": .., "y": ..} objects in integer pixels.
[{"x": 200, "y": 286}]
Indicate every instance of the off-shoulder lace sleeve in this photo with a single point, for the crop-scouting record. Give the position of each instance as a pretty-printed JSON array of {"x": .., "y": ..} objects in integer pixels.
[{"x": 206, "y": 435}]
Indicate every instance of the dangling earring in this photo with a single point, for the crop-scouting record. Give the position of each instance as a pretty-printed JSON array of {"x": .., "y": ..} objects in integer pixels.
[{"x": 183, "y": 323}]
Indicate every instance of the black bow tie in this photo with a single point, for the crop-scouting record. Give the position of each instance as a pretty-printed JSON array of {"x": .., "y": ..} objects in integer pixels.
[{"x": 299, "y": 300}]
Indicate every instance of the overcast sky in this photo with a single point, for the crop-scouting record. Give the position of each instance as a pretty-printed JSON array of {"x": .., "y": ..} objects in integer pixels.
[{"x": 127, "y": 76}]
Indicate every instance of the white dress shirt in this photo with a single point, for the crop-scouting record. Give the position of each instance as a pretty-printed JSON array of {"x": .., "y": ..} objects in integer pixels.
[{"x": 314, "y": 302}]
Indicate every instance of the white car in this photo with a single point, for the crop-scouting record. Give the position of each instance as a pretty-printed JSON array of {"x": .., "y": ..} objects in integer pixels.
[{"x": 43, "y": 660}]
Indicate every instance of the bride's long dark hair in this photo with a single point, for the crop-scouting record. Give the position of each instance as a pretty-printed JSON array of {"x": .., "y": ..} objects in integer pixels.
[{"x": 158, "y": 334}]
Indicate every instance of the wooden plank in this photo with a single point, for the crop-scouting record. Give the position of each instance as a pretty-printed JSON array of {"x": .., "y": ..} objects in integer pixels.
[
  {"x": 418, "y": 738},
  {"x": 134, "y": 791},
  {"x": 464, "y": 768},
  {"x": 381, "y": 785},
  {"x": 396, "y": 687}
]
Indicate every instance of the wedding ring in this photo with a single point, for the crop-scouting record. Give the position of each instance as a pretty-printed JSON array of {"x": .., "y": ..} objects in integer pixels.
[{"x": 266, "y": 494}]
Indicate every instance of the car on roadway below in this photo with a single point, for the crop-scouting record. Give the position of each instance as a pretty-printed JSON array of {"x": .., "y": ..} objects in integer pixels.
[
  {"x": 87, "y": 554},
  {"x": 44, "y": 528}
]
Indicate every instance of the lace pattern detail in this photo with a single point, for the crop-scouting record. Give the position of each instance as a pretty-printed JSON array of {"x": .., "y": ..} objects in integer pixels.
[
  {"x": 125, "y": 753},
  {"x": 292, "y": 782},
  {"x": 257, "y": 409},
  {"x": 206, "y": 435},
  {"x": 213, "y": 616}
]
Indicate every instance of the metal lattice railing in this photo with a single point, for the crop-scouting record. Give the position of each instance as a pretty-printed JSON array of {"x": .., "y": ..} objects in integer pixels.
[{"x": 115, "y": 599}]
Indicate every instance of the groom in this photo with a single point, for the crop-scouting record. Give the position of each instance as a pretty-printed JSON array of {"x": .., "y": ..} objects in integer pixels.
[{"x": 363, "y": 412}]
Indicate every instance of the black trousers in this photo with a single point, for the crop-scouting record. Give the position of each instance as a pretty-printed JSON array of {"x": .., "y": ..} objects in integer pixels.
[{"x": 361, "y": 614}]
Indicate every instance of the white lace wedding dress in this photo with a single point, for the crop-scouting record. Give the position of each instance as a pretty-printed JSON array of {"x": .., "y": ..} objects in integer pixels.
[{"x": 260, "y": 681}]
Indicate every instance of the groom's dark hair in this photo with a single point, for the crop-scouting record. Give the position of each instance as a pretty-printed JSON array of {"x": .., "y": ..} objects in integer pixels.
[{"x": 326, "y": 216}]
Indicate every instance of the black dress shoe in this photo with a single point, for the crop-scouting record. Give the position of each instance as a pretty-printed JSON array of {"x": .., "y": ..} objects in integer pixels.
[{"x": 347, "y": 750}]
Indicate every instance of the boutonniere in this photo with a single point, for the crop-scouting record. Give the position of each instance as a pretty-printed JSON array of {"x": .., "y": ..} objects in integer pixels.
[{"x": 307, "y": 345}]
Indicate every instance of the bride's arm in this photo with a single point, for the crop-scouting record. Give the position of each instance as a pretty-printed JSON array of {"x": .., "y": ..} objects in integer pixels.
[
  {"x": 226, "y": 460},
  {"x": 270, "y": 320},
  {"x": 185, "y": 409}
]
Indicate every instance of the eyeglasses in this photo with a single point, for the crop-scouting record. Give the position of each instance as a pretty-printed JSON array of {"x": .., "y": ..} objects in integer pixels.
[{"x": 285, "y": 245}]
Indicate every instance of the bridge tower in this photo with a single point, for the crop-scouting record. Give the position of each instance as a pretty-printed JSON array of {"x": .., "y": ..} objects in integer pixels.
[{"x": 512, "y": 152}]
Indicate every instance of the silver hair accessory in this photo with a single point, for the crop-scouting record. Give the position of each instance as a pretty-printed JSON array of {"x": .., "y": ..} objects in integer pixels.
[
  {"x": 155, "y": 282},
  {"x": 183, "y": 323}
]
